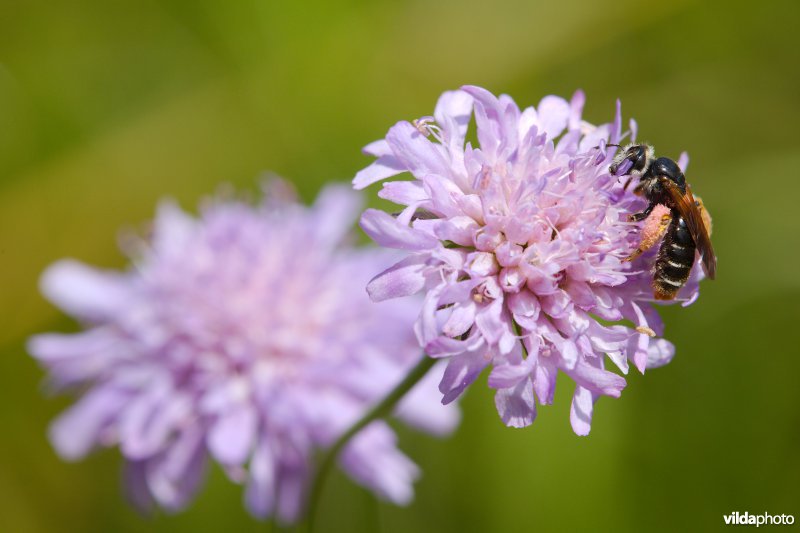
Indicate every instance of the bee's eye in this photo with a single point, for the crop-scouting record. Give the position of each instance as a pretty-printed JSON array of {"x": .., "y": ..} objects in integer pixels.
[{"x": 638, "y": 156}]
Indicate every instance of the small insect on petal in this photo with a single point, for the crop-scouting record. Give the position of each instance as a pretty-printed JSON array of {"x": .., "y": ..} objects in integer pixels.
[{"x": 644, "y": 330}]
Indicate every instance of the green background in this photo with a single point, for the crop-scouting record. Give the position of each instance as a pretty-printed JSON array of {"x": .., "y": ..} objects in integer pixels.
[{"x": 105, "y": 107}]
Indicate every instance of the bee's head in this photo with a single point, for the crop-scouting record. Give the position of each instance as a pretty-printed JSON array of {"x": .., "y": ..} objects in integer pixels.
[{"x": 639, "y": 156}]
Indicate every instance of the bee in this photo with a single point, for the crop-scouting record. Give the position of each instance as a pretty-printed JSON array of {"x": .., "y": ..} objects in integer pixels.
[{"x": 682, "y": 220}]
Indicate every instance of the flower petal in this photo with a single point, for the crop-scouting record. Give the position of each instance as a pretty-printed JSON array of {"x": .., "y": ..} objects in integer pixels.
[
  {"x": 372, "y": 459},
  {"x": 386, "y": 231},
  {"x": 76, "y": 431},
  {"x": 404, "y": 278},
  {"x": 660, "y": 353},
  {"x": 597, "y": 380},
  {"x": 580, "y": 412},
  {"x": 453, "y": 112},
  {"x": 461, "y": 371},
  {"x": 83, "y": 291},
  {"x": 554, "y": 113},
  {"x": 420, "y": 408},
  {"x": 505, "y": 376},
  {"x": 175, "y": 476},
  {"x": 231, "y": 436},
  {"x": 403, "y": 192},
  {"x": 260, "y": 493},
  {"x": 516, "y": 405},
  {"x": 415, "y": 152},
  {"x": 334, "y": 212},
  {"x": 384, "y": 167}
]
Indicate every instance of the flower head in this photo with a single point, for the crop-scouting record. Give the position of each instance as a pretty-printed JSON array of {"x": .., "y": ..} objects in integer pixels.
[
  {"x": 518, "y": 244},
  {"x": 243, "y": 335}
]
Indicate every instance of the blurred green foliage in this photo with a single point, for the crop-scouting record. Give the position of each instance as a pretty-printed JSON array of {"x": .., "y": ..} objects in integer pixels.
[{"x": 105, "y": 107}]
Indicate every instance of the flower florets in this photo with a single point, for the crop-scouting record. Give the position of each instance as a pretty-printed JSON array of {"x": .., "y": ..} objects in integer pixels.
[
  {"x": 519, "y": 245},
  {"x": 243, "y": 335}
]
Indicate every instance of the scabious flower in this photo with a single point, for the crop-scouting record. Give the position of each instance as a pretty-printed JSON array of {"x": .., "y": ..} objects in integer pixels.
[
  {"x": 518, "y": 245},
  {"x": 245, "y": 336}
]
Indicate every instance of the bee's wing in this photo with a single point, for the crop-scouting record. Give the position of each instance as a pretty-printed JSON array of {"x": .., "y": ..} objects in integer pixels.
[{"x": 687, "y": 207}]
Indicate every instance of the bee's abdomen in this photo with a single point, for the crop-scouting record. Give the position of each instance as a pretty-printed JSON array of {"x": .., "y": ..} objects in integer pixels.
[{"x": 674, "y": 261}]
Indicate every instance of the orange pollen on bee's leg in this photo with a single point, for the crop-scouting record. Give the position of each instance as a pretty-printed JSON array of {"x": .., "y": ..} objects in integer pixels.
[{"x": 653, "y": 229}]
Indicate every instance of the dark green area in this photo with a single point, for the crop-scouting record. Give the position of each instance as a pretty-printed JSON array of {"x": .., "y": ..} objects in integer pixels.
[{"x": 105, "y": 107}]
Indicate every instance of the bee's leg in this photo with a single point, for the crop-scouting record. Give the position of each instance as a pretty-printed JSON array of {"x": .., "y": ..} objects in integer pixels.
[
  {"x": 627, "y": 182},
  {"x": 638, "y": 217},
  {"x": 654, "y": 229}
]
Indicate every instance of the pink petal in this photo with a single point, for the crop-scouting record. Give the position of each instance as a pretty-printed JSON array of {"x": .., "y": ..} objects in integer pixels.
[
  {"x": 576, "y": 109},
  {"x": 173, "y": 229},
  {"x": 489, "y": 321},
  {"x": 260, "y": 493},
  {"x": 593, "y": 138},
  {"x": 461, "y": 371},
  {"x": 460, "y": 320},
  {"x": 175, "y": 476},
  {"x": 85, "y": 292},
  {"x": 386, "y": 231},
  {"x": 660, "y": 353},
  {"x": 638, "y": 344},
  {"x": 292, "y": 476},
  {"x": 401, "y": 279},
  {"x": 458, "y": 229},
  {"x": 596, "y": 379},
  {"x": 136, "y": 487},
  {"x": 496, "y": 119},
  {"x": 373, "y": 460},
  {"x": 683, "y": 161},
  {"x": 509, "y": 375},
  {"x": 557, "y": 305},
  {"x": 516, "y": 406},
  {"x": 384, "y": 167},
  {"x": 334, "y": 212},
  {"x": 77, "y": 430},
  {"x": 231, "y": 436},
  {"x": 415, "y": 152},
  {"x": 403, "y": 192},
  {"x": 443, "y": 346},
  {"x": 554, "y": 113},
  {"x": 616, "y": 126},
  {"x": 452, "y": 113},
  {"x": 544, "y": 382},
  {"x": 580, "y": 412},
  {"x": 421, "y": 409},
  {"x": 426, "y": 327},
  {"x": 377, "y": 148},
  {"x": 147, "y": 421},
  {"x": 443, "y": 193}
]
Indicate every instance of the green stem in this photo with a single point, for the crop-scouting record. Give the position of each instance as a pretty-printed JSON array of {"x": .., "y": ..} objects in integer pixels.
[{"x": 382, "y": 409}]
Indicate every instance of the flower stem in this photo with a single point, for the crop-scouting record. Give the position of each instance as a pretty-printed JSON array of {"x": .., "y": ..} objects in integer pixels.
[{"x": 382, "y": 409}]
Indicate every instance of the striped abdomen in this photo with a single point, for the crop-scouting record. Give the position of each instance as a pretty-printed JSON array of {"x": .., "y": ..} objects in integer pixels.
[{"x": 675, "y": 259}]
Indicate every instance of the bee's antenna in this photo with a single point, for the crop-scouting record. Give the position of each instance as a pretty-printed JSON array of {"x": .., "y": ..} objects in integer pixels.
[{"x": 606, "y": 145}]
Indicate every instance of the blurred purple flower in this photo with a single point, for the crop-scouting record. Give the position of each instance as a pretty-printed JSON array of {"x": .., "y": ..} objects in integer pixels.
[
  {"x": 518, "y": 246},
  {"x": 244, "y": 335}
]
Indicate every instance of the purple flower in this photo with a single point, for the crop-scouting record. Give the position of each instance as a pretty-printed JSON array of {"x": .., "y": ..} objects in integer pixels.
[
  {"x": 243, "y": 335},
  {"x": 518, "y": 245}
]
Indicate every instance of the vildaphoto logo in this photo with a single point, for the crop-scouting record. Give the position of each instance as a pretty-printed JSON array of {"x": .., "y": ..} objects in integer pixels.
[{"x": 746, "y": 519}]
